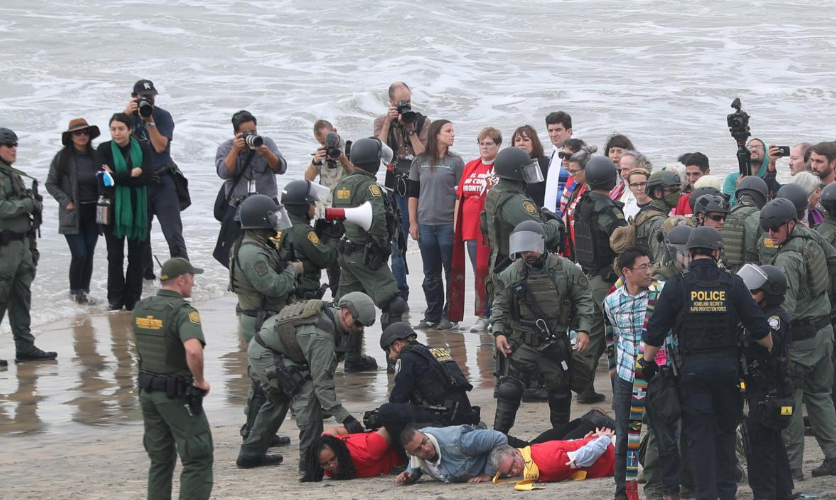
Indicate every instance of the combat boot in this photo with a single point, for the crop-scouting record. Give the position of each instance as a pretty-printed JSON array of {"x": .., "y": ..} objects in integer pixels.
[
  {"x": 827, "y": 468},
  {"x": 35, "y": 355},
  {"x": 365, "y": 364},
  {"x": 266, "y": 460},
  {"x": 599, "y": 419}
]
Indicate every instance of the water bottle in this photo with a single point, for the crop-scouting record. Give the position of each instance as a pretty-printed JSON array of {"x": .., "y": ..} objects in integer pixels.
[{"x": 103, "y": 211}]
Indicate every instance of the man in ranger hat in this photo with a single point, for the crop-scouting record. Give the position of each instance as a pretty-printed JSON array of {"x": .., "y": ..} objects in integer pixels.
[
  {"x": 169, "y": 343},
  {"x": 294, "y": 357},
  {"x": 18, "y": 250}
]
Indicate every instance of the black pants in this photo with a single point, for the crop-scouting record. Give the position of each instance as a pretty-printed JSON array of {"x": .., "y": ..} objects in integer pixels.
[
  {"x": 83, "y": 248},
  {"x": 769, "y": 468},
  {"x": 124, "y": 288},
  {"x": 163, "y": 202},
  {"x": 576, "y": 429}
]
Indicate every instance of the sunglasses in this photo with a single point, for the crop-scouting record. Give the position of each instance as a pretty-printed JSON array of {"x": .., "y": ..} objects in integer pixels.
[
  {"x": 716, "y": 217},
  {"x": 357, "y": 324},
  {"x": 773, "y": 229},
  {"x": 10, "y": 144},
  {"x": 564, "y": 156},
  {"x": 575, "y": 171},
  {"x": 81, "y": 132}
]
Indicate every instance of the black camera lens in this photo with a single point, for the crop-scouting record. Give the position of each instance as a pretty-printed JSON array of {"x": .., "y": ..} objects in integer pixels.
[
  {"x": 405, "y": 110},
  {"x": 145, "y": 107},
  {"x": 253, "y": 140},
  {"x": 332, "y": 146}
]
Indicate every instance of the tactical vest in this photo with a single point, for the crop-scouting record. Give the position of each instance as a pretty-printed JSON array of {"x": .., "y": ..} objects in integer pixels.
[
  {"x": 249, "y": 297},
  {"x": 734, "y": 234},
  {"x": 708, "y": 323},
  {"x": 443, "y": 377},
  {"x": 311, "y": 273},
  {"x": 13, "y": 189},
  {"x": 592, "y": 243},
  {"x": 545, "y": 295},
  {"x": 827, "y": 229},
  {"x": 810, "y": 251},
  {"x": 158, "y": 346},
  {"x": 643, "y": 228},
  {"x": 350, "y": 193},
  {"x": 499, "y": 232},
  {"x": 298, "y": 314}
]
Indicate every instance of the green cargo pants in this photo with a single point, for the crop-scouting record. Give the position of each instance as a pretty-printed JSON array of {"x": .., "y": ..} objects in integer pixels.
[
  {"x": 17, "y": 272},
  {"x": 170, "y": 430},
  {"x": 597, "y": 343},
  {"x": 811, "y": 368}
]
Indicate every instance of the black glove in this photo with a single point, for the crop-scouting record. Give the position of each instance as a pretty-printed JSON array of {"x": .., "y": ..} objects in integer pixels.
[
  {"x": 352, "y": 425},
  {"x": 649, "y": 369},
  {"x": 329, "y": 230}
]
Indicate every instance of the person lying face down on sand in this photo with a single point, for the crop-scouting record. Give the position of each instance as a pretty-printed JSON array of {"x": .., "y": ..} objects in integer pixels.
[{"x": 341, "y": 455}]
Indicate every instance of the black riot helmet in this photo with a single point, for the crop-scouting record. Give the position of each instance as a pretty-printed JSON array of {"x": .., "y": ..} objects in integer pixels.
[
  {"x": 601, "y": 173},
  {"x": 705, "y": 237},
  {"x": 776, "y": 212},
  {"x": 298, "y": 196},
  {"x": 755, "y": 188},
  {"x": 708, "y": 203},
  {"x": 676, "y": 246},
  {"x": 393, "y": 332},
  {"x": 768, "y": 279},
  {"x": 828, "y": 198},
  {"x": 797, "y": 195},
  {"x": 514, "y": 164},
  {"x": 262, "y": 212},
  {"x": 528, "y": 236},
  {"x": 369, "y": 153},
  {"x": 699, "y": 193},
  {"x": 7, "y": 137}
]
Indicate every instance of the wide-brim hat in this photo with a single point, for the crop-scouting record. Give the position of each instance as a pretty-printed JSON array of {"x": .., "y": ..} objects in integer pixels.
[{"x": 77, "y": 124}]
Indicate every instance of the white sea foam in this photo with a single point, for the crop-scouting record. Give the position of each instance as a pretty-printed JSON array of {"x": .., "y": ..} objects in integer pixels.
[{"x": 663, "y": 72}]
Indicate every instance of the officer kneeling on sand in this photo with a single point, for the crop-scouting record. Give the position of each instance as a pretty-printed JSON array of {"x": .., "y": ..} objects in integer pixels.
[
  {"x": 295, "y": 356},
  {"x": 429, "y": 387},
  {"x": 704, "y": 306},
  {"x": 169, "y": 343}
]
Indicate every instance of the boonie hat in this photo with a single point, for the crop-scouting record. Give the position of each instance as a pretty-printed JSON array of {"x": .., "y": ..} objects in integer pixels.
[
  {"x": 75, "y": 125},
  {"x": 177, "y": 266},
  {"x": 145, "y": 87}
]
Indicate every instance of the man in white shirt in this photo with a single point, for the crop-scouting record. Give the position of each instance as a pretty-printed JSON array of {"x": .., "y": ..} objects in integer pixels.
[{"x": 559, "y": 126}]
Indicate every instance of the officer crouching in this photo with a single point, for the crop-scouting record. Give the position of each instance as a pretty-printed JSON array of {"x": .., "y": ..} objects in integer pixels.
[
  {"x": 294, "y": 357},
  {"x": 169, "y": 343},
  {"x": 429, "y": 385},
  {"x": 769, "y": 388},
  {"x": 703, "y": 307}
]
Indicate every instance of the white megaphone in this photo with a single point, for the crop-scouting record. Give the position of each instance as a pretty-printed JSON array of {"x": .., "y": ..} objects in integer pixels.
[{"x": 362, "y": 215}]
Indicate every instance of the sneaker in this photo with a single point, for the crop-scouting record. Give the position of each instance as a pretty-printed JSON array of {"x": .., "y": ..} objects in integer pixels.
[
  {"x": 266, "y": 460},
  {"x": 827, "y": 468},
  {"x": 481, "y": 325},
  {"x": 366, "y": 364},
  {"x": 446, "y": 324},
  {"x": 35, "y": 355},
  {"x": 425, "y": 325}
]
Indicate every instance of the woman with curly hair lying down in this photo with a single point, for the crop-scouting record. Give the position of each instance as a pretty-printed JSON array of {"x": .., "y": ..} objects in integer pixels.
[{"x": 341, "y": 455}]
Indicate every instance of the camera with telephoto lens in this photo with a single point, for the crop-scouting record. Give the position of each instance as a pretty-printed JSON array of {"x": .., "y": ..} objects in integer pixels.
[
  {"x": 253, "y": 140},
  {"x": 405, "y": 110},
  {"x": 332, "y": 149},
  {"x": 738, "y": 122},
  {"x": 145, "y": 107}
]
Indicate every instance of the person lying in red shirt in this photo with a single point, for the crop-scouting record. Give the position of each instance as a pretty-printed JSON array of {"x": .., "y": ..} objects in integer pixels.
[{"x": 340, "y": 455}]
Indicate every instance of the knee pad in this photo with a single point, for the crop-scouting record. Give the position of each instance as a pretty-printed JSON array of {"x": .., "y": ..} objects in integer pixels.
[
  {"x": 560, "y": 398},
  {"x": 510, "y": 389},
  {"x": 396, "y": 307}
]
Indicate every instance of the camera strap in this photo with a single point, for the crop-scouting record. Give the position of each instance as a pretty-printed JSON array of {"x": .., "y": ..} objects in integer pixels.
[{"x": 240, "y": 175}]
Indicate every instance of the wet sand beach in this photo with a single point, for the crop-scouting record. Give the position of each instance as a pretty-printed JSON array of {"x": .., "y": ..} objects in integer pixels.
[{"x": 72, "y": 429}]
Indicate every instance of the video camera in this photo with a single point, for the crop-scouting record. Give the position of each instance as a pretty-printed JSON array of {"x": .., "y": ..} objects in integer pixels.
[{"x": 738, "y": 123}]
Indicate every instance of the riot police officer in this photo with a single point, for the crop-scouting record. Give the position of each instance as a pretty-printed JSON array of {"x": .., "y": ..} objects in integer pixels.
[
  {"x": 742, "y": 229},
  {"x": 710, "y": 210},
  {"x": 263, "y": 277},
  {"x": 699, "y": 193},
  {"x": 316, "y": 250},
  {"x": 676, "y": 250},
  {"x": 18, "y": 251},
  {"x": 663, "y": 188},
  {"x": 796, "y": 250},
  {"x": 294, "y": 356},
  {"x": 798, "y": 196},
  {"x": 704, "y": 306},
  {"x": 169, "y": 344},
  {"x": 538, "y": 298},
  {"x": 508, "y": 204},
  {"x": 827, "y": 228},
  {"x": 364, "y": 254},
  {"x": 596, "y": 217},
  {"x": 769, "y": 389},
  {"x": 429, "y": 385}
]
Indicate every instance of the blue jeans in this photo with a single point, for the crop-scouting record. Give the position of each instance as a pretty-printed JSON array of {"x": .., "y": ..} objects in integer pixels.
[
  {"x": 398, "y": 262},
  {"x": 622, "y": 393},
  {"x": 83, "y": 248},
  {"x": 711, "y": 408},
  {"x": 471, "y": 252},
  {"x": 436, "y": 244}
]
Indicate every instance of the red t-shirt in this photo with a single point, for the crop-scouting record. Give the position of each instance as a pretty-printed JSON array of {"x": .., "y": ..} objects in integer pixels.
[
  {"x": 684, "y": 205},
  {"x": 371, "y": 454},
  {"x": 551, "y": 458},
  {"x": 472, "y": 191}
]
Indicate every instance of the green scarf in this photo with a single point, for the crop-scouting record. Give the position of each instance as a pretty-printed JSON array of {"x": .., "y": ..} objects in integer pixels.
[{"x": 129, "y": 220}]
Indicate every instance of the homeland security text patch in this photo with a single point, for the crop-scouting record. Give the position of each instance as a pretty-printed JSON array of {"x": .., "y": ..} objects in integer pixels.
[{"x": 703, "y": 301}]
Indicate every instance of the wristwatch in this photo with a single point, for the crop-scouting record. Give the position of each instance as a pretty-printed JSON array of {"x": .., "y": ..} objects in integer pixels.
[
  {"x": 150, "y": 124},
  {"x": 410, "y": 132}
]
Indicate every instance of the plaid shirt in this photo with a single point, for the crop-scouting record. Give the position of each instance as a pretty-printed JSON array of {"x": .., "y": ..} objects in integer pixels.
[{"x": 625, "y": 314}]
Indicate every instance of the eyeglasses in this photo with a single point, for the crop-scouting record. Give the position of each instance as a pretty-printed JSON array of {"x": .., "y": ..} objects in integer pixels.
[
  {"x": 10, "y": 145},
  {"x": 486, "y": 144},
  {"x": 572, "y": 172},
  {"x": 81, "y": 132},
  {"x": 643, "y": 267},
  {"x": 564, "y": 156},
  {"x": 716, "y": 217},
  {"x": 754, "y": 148},
  {"x": 638, "y": 184}
]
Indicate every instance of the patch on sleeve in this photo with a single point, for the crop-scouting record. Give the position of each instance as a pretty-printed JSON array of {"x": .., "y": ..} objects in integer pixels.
[
  {"x": 343, "y": 194},
  {"x": 768, "y": 243},
  {"x": 374, "y": 189},
  {"x": 583, "y": 280},
  {"x": 313, "y": 238},
  {"x": 619, "y": 216},
  {"x": 261, "y": 268},
  {"x": 194, "y": 317},
  {"x": 529, "y": 208},
  {"x": 397, "y": 367},
  {"x": 774, "y": 322}
]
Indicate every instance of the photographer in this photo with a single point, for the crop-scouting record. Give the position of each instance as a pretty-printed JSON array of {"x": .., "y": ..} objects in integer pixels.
[
  {"x": 154, "y": 127},
  {"x": 406, "y": 132},
  {"x": 248, "y": 162},
  {"x": 336, "y": 163}
]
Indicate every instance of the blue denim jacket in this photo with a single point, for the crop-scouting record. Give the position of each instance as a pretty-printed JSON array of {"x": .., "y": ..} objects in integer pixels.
[{"x": 464, "y": 452}]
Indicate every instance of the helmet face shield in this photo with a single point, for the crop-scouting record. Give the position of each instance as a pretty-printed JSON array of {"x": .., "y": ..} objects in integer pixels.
[
  {"x": 753, "y": 277},
  {"x": 679, "y": 255},
  {"x": 319, "y": 192},
  {"x": 279, "y": 219},
  {"x": 531, "y": 173},
  {"x": 525, "y": 241},
  {"x": 386, "y": 154}
]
